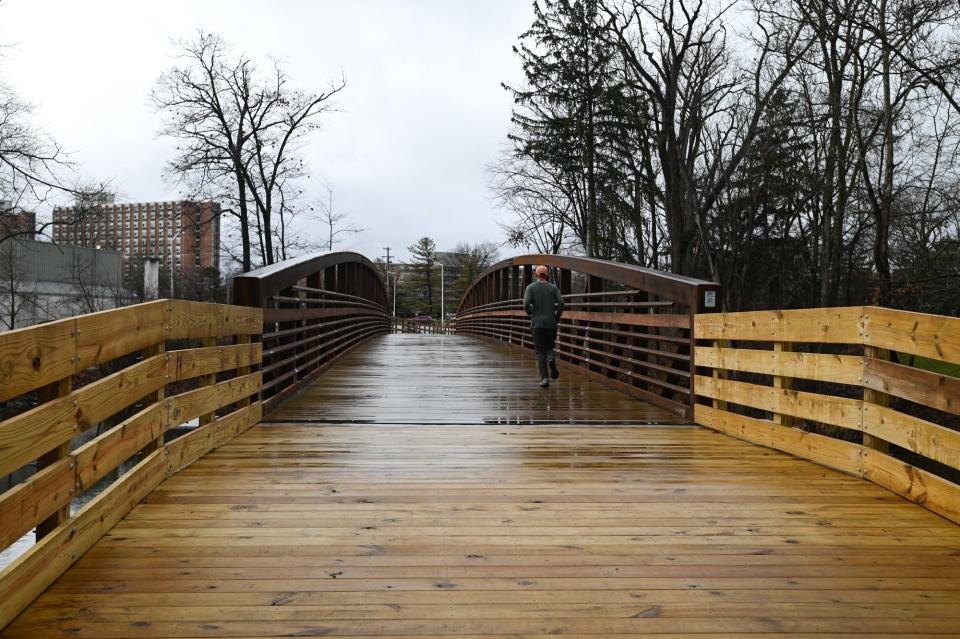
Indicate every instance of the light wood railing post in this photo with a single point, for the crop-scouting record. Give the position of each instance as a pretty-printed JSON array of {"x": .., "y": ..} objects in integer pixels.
[
  {"x": 875, "y": 397},
  {"x": 782, "y": 383},
  {"x": 46, "y": 394},
  {"x": 208, "y": 380},
  {"x": 243, "y": 370},
  {"x": 718, "y": 373},
  {"x": 156, "y": 396}
]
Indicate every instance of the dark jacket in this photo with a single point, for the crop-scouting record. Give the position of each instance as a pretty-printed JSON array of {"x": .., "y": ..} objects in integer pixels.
[{"x": 544, "y": 304}]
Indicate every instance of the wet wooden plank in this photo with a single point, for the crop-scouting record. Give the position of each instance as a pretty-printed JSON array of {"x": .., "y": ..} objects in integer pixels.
[
  {"x": 453, "y": 530},
  {"x": 424, "y": 379}
]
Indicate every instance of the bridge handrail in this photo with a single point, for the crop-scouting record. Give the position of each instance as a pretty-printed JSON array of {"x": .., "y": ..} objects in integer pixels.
[
  {"x": 316, "y": 308},
  {"x": 630, "y": 328},
  {"x": 41, "y": 369},
  {"x": 887, "y": 377}
]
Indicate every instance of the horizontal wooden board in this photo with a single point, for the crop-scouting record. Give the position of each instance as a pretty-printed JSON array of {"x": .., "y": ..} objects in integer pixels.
[
  {"x": 201, "y": 401},
  {"x": 935, "y": 390},
  {"x": 185, "y": 450},
  {"x": 36, "y": 356},
  {"x": 194, "y": 362},
  {"x": 827, "y": 451},
  {"x": 838, "y": 369},
  {"x": 107, "y": 335},
  {"x": 33, "y": 500},
  {"x": 933, "y": 492},
  {"x": 922, "y": 437},
  {"x": 25, "y": 578},
  {"x": 28, "y": 435},
  {"x": 826, "y": 409},
  {"x": 933, "y": 336},
  {"x": 99, "y": 456},
  {"x": 820, "y": 325},
  {"x": 196, "y": 320},
  {"x": 39, "y": 355}
]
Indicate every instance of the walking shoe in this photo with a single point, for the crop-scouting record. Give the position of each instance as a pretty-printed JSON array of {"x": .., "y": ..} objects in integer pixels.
[
  {"x": 554, "y": 371},
  {"x": 544, "y": 382}
]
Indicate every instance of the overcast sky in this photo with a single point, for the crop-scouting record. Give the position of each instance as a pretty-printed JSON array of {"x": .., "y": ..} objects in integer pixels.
[{"x": 422, "y": 114}]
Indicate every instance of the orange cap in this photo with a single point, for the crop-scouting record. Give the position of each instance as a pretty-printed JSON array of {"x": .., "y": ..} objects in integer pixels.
[{"x": 542, "y": 270}]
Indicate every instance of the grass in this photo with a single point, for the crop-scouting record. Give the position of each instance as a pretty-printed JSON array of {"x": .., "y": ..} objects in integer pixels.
[{"x": 932, "y": 365}]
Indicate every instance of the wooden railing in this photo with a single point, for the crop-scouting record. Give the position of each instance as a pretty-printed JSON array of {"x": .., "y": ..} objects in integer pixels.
[
  {"x": 408, "y": 325},
  {"x": 121, "y": 380},
  {"x": 315, "y": 309},
  {"x": 626, "y": 326},
  {"x": 870, "y": 391}
]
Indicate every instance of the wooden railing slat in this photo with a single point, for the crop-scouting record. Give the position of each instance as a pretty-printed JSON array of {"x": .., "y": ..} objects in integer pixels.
[
  {"x": 32, "y": 501},
  {"x": 25, "y": 437},
  {"x": 935, "y": 390},
  {"x": 835, "y": 411},
  {"x": 933, "y": 336},
  {"x": 833, "y": 325},
  {"x": 882, "y": 426},
  {"x": 839, "y": 369}
]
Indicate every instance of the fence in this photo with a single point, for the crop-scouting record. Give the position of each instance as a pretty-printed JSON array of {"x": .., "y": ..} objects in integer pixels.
[
  {"x": 871, "y": 388},
  {"x": 112, "y": 370}
]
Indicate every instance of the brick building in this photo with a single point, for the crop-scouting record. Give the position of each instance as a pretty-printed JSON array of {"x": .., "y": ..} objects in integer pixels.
[
  {"x": 183, "y": 235},
  {"x": 17, "y": 222}
]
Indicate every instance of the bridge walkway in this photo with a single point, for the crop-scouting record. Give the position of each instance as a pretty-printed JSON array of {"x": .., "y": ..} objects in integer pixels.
[{"x": 447, "y": 496}]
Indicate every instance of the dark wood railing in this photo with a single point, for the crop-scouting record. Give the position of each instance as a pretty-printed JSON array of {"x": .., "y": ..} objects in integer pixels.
[
  {"x": 409, "y": 325},
  {"x": 626, "y": 326},
  {"x": 315, "y": 309}
]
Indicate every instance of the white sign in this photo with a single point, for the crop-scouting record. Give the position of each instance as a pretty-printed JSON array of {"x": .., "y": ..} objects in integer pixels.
[{"x": 709, "y": 299}]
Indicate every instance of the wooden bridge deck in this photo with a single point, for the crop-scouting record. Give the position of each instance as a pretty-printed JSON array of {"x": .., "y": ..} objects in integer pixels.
[{"x": 484, "y": 529}]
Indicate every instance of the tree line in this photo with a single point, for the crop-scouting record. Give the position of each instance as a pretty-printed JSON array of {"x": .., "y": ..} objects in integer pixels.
[
  {"x": 800, "y": 152},
  {"x": 419, "y": 287}
]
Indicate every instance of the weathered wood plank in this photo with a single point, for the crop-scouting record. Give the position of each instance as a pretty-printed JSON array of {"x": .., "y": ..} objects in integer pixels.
[
  {"x": 838, "y": 369},
  {"x": 107, "y": 451},
  {"x": 36, "y": 356},
  {"x": 30, "y": 502},
  {"x": 827, "y": 451},
  {"x": 930, "y": 440},
  {"x": 941, "y": 392},
  {"x": 826, "y": 409},
  {"x": 25, "y": 437},
  {"x": 933, "y": 336},
  {"x": 938, "y": 494},
  {"x": 29, "y": 575},
  {"x": 828, "y": 326},
  {"x": 195, "y": 362},
  {"x": 107, "y": 335},
  {"x": 201, "y": 401}
]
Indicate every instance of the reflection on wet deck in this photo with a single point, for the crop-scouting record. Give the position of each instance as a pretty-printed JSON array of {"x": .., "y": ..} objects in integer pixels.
[{"x": 427, "y": 379}]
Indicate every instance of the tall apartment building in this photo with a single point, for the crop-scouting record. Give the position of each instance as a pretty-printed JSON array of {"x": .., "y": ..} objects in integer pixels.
[
  {"x": 183, "y": 235},
  {"x": 17, "y": 222}
]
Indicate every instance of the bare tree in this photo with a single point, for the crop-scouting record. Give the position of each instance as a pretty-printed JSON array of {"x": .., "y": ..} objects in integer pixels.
[
  {"x": 333, "y": 219},
  {"x": 680, "y": 65},
  {"x": 239, "y": 132},
  {"x": 546, "y": 214},
  {"x": 17, "y": 294}
]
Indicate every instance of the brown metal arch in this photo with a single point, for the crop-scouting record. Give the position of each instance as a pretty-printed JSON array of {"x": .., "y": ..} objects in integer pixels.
[
  {"x": 250, "y": 289},
  {"x": 685, "y": 290}
]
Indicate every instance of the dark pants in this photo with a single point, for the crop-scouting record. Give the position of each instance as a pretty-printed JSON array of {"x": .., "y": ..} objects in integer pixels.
[{"x": 544, "y": 340}]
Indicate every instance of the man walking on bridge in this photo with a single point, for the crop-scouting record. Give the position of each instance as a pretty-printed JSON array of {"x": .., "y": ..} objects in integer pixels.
[{"x": 544, "y": 304}]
